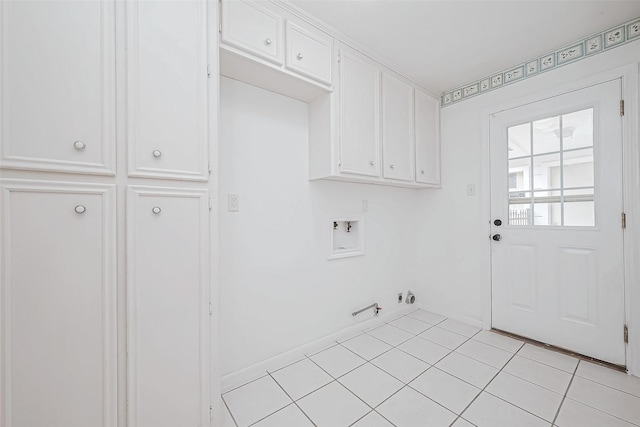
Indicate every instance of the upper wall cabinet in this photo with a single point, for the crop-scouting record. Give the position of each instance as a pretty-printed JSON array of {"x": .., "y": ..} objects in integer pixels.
[
  {"x": 57, "y": 86},
  {"x": 255, "y": 38},
  {"x": 254, "y": 29},
  {"x": 167, "y": 89},
  {"x": 377, "y": 128},
  {"x": 427, "y": 119}
]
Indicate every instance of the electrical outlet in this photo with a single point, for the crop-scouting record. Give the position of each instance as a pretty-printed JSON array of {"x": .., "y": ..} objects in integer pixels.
[
  {"x": 234, "y": 203},
  {"x": 471, "y": 190},
  {"x": 399, "y": 297}
]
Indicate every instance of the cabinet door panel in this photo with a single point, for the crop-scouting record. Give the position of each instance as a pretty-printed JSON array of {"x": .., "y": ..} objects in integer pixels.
[
  {"x": 255, "y": 30},
  {"x": 167, "y": 89},
  {"x": 59, "y": 305},
  {"x": 168, "y": 300},
  {"x": 309, "y": 53},
  {"x": 427, "y": 140},
  {"x": 359, "y": 116},
  {"x": 397, "y": 129},
  {"x": 57, "y": 86}
]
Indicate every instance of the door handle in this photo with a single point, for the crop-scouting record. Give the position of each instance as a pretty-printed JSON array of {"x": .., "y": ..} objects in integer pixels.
[{"x": 496, "y": 237}]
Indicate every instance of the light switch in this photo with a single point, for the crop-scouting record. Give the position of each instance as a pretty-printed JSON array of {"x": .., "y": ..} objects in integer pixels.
[{"x": 471, "y": 189}]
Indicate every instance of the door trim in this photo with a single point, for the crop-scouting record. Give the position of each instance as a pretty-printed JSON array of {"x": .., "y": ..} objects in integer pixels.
[{"x": 631, "y": 192}]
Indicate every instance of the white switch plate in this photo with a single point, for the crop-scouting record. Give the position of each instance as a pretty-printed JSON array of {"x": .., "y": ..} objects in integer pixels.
[
  {"x": 234, "y": 203},
  {"x": 471, "y": 189}
]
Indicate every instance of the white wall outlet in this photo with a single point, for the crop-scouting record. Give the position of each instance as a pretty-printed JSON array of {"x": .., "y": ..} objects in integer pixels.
[
  {"x": 471, "y": 189},
  {"x": 233, "y": 203},
  {"x": 365, "y": 206}
]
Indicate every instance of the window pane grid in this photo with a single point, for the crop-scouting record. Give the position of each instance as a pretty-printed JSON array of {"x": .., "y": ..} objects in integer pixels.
[{"x": 549, "y": 185}]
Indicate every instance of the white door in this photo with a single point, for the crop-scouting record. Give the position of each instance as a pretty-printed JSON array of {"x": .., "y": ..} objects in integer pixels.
[
  {"x": 556, "y": 187},
  {"x": 58, "y": 305},
  {"x": 397, "y": 129},
  {"x": 168, "y": 307}
]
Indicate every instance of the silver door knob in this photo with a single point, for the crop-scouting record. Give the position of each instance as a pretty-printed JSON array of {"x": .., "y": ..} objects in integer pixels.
[
  {"x": 156, "y": 210},
  {"x": 371, "y": 162},
  {"x": 299, "y": 56},
  {"x": 79, "y": 145},
  {"x": 80, "y": 209},
  {"x": 267, "y": 41},
  {"x": 496, "y": 237},
  {"x": 391, "y": 166},
  {"x": 422, "y": 171},
  {"x": 157, "y": 153}
]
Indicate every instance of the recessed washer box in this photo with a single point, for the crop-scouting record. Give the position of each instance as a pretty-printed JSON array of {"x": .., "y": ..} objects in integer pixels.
[{"x": 347, "y": 236}]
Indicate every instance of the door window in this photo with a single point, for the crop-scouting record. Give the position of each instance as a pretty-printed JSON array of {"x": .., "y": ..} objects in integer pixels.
[{"x": 551, "y": 172}]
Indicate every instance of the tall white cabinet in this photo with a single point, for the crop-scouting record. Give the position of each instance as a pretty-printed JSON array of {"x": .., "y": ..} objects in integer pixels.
[{"x": 106, "y": 129}]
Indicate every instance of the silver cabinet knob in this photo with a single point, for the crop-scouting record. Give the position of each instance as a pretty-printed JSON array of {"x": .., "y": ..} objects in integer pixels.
[
  {"x": 79, "y": 145},
  {"x": 299, "y": 56},
  {"x": 391, "y": 166},
  {"x": 267, "y": 41},
  {"x": 156, "y": 210},
  {"x": 80, "y": 209},
  {"x": 371, "y": 162},
  {"x": 157, "y": 153},
  {"x": 422, "y": 171}
]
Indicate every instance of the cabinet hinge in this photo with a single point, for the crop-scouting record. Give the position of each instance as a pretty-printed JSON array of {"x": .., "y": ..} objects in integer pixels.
[
  {"x": 626, "y": 334},
  {"x": 624, "y": 220},
  {"x": 209, "y": 166},
  {"x": 622, "y": 107},
  {"x": 339, "y": 57},
  {"x": 208, "y": 70},
  {"x": 210, "y": 203},
  {"x": 210, "y": 309},
  {"x": 210, "y": 412},
  {"x": 220, "y": 27}
]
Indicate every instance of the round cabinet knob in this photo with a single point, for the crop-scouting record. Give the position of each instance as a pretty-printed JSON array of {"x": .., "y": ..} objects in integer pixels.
[
  {"x": 157, "y": 153},
  {"x": 156, "y": 210},
  {"x": 371, "y": 162},
  {"x": 497, "y": 222},
  {"x": 422, "y": 171},
  {"x": 267, "y": 41},
  {"x": 79, "y": 145},
  {"x": 299, "y": 56},
  {"x": 496, "y": 237},
  {"x": 80, "y": 209},
  {"x": 391, "y": 166}
]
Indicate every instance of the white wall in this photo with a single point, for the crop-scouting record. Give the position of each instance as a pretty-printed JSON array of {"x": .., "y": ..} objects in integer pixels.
[
  {"x": 453, "y": 237},
  {"x": 278, "y": 291}
]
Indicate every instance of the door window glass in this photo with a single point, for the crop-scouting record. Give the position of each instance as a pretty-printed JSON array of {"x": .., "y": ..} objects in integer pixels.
[{"x": 551, "y": 173}]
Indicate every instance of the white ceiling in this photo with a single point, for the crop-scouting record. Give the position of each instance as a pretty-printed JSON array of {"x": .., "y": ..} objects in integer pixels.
[{"x": 447, "y": 43}]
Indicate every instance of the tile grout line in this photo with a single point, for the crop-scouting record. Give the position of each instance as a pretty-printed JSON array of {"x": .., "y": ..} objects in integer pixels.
[
  {"x": 487, "y": 385},
  {"x": 565, "y": 393},
  {"x": 292, "y": 402},
  {"x": 229, "y": 411}
]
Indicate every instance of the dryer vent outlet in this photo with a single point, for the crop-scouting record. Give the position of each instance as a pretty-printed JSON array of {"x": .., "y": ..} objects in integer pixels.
[{"x": 411, "y": 298}]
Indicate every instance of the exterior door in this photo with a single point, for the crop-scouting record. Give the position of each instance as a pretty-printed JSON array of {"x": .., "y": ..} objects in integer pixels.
[{"x": 557, "y": 237}]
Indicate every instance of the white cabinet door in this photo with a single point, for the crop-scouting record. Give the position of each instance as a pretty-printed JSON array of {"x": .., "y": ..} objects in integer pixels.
[
  {"x": 427, "y": 139},
  {"x": 168, "y": 307},
  {"x": 58, "y": 299},
  {"x": 397, "y": 129},
  {"x": 359, "y": 115},
  {"x": 253, "y": 29},
  {"x": 309, "y": 52},
  {"x": 57, "y": 86},
  {"x": 167, "y": 89}
]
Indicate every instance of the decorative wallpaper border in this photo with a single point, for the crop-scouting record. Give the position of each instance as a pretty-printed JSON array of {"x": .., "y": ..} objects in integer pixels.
[{"x": 597, "y": 43}]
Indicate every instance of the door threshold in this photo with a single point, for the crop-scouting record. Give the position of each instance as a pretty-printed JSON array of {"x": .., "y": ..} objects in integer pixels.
[{"x": 621, "y": 368}]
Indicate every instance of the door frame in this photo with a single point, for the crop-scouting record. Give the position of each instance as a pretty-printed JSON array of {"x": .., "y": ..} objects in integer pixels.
[{"x": 631, "y": 194}]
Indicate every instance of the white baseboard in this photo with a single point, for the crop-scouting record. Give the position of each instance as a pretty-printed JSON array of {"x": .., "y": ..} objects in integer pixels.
[
  {"x": 260, "y": 369},
  {"x": 455, "y": 316}
]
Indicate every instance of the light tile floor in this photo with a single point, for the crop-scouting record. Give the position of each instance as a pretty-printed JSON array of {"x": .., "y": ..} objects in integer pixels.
[{"x": 425, "y": 370}]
